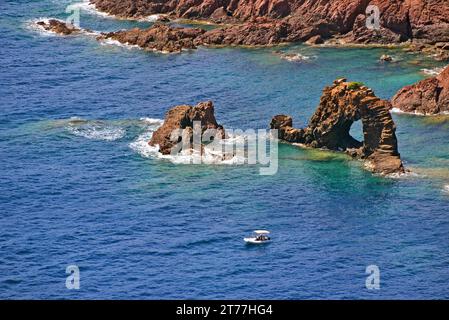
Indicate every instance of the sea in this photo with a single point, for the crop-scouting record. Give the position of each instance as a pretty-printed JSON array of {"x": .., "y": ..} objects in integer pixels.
[{"x": 80, "y": 187}]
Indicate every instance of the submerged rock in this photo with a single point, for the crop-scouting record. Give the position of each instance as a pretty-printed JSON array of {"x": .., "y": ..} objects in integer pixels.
[
  {"x": 183, "y": 118},
  {"x": 292, "y": 57},
  {"x": 59, "y": 27},
  {"x": 340, "y": 106},
  {"x": 429, "y": 96}
]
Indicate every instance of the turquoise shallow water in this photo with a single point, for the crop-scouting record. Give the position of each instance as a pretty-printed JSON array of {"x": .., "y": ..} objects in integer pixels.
[{"x": 141, "y": 227}]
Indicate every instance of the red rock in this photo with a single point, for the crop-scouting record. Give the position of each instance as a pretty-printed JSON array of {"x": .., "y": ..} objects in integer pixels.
[
  {"x": 315, "y": 40},
  {"x": 429, "y": 96},
  {"x": 341, "y": 105},
  {"x": 59, "y": 27},
  {"x": 249, "y": 34},
  {"x": 182, "y": 117},
  {"x": 400, "y": 20}
]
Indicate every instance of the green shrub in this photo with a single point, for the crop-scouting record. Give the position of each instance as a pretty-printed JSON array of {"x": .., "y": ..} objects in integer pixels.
[{"x": 355, "y": 85}]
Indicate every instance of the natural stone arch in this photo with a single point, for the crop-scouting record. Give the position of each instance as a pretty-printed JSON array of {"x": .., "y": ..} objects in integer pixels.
[{"x": 340, "y": 106}]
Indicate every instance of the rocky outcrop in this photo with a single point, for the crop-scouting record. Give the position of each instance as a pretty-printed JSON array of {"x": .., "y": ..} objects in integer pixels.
[
  {"x": 429, "y": 96},
  {"x": 164, "y": 38},
  {"x": 258, "y": 33},
  {"x": 159, "y": 37},
  {"x": 425, "y": 21},
  {"x": 183, "y": 118},
  {"x": 59, "y": 27},
  {"x": 340, "y": 106}
]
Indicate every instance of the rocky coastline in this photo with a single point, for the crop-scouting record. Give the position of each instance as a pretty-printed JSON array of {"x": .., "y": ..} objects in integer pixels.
[
  {"x": 417, "y": 25},
  {"x": 58, "y": 27},
  {"x": 423, "y": 25}
]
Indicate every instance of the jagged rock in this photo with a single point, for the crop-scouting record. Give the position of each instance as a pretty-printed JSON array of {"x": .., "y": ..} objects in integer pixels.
[
  {"x": 429, "y": 96},
  {"x": 386, "y": 58},
  {"x": 315, "y": 40},
  {"x": 421, "y": 20},
  {"x": 163, "y": 19},
  {"x": 341, "y": 105},
  {"x": 159, "y": 37},
  {"x": 249, "y": 34},
  {"x": 58, "y": 26},
  {"x": 220, "y": 15},
  {"x": 183, "y": 117}
]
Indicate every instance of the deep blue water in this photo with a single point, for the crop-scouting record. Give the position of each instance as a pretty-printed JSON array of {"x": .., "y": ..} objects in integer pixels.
[{"x": 145, "y": 228}]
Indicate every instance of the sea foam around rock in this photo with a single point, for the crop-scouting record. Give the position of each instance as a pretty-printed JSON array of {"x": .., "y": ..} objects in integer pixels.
[
  {"x": 209, "y": 156},
  {"x": 432, "y": 72}
]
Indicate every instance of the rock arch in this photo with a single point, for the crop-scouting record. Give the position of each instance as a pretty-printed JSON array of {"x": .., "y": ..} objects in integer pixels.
[{"x": 341, "y": 105}]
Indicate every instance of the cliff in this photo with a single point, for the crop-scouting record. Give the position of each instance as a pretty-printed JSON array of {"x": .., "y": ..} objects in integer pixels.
[{"x": 426, "y": 21}]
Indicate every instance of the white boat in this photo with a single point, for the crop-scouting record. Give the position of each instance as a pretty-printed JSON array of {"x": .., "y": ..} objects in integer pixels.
[{"x": 258, "y": 237}]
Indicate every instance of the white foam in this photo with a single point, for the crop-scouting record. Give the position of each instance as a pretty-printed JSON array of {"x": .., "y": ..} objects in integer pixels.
[
  {"x": 90, "y": 8},
  {"x": 297, "y": 57},
  {"x": 152, "y": 121},
  {"x": 95, "y": 130},
  {"x": 399, "y": 111},
  {"x": 33, "y": 26},
  {"x": 209, "y": 156},
  {"x": 403, "y": 175},
  {"x": 416, "y": 113},
  {"x": 432, "y": 72},
  {"x": 153, "y": 17},
  {"x": 446, "y": 188},
  {"x": 116, "y": 43}
]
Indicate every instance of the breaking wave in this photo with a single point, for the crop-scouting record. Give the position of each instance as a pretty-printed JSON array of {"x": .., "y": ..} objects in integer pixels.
[
  {"x": 432, "y": 72},
  {"x": 209, "y": 156},
  {"x": 90, "y": 8},
  {"x": 153, "y": 17},
  {"x": 33, "y": 26},
  {"x": 399, "y": 111}
]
